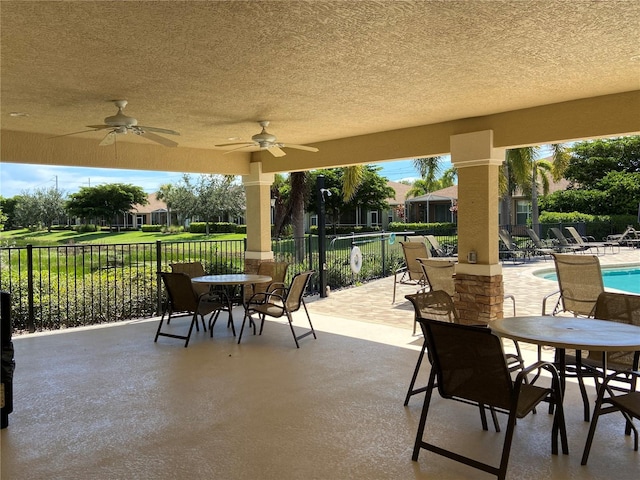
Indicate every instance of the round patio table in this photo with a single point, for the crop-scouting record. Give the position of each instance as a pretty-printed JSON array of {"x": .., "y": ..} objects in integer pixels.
[
  {"x": 570, "y": 333},
  {"x": 224, "y": 285}
]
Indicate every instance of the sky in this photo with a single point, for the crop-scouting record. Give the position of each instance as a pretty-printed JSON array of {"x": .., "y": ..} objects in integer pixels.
[{"x": 16, "y": 178}]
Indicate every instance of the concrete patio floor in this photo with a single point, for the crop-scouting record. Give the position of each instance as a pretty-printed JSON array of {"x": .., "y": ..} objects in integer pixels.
[{"x": 108, "y": 403}]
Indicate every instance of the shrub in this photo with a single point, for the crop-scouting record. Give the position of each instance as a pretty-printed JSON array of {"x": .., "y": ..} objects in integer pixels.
[
  {"x": 85, "y": 228},
  {"x": 217, "y": 227},
  {"x": 152, "y": 228},
  {"x": 345, "y": 229},
  {"x": 445, "y": 228}
]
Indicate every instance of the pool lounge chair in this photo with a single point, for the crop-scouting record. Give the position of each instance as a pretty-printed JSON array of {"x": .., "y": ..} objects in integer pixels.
[
  {"x": 509, "y": 248},
  {"x": 438, "y": 250},
  {"x": 590, "y": 241},
  {"x": 629, "y": 238},
  {"x": 540, "y": 247},
  {"x": 564, "y": 241}
]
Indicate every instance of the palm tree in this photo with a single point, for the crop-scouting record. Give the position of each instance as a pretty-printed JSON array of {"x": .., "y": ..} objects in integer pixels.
[
  {"x": 351, "y": 180},
  {"x": 521, "y": 170},
  {"x": 419, "y": 187},
  {"x": 428, "y": 168},
  {"x": 298, "y": 199}
]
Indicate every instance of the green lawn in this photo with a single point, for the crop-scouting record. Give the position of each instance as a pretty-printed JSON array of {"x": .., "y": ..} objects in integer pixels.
[{"x": 61, "y": 237}]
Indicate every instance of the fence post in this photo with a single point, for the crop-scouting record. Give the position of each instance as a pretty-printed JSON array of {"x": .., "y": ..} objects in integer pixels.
[
  {"x": 31, "y": 324},
  {"x": 158, "y": 278},
  {"x": 322, "y": 239},
  {"x": 384, "y": 256}
]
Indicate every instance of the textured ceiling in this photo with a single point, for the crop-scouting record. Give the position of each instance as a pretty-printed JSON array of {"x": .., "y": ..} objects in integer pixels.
[{"x": 317, "y": 70}]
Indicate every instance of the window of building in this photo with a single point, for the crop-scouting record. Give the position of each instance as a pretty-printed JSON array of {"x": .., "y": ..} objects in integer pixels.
[{"x": 523, "y": 212}]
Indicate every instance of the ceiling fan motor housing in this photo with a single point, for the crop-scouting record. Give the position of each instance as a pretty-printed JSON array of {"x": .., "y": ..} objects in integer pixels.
[
  {"x": 120, "y": 120},
  {"x": 264, "y": 139}
]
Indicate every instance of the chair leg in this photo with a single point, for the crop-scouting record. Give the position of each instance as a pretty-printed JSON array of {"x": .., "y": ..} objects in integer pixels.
[
  {"x": 423, "y": 416},
  {"x": 313, "y": 331},
  {"x": 291, "y": 327},
  {"x": 244, "y": 320},
  {"x": 592, "y": 428},
  {"x": 506, "y": 447},
  {"x": 161, "y": 322},
  {"x": 194, "y": 321}
]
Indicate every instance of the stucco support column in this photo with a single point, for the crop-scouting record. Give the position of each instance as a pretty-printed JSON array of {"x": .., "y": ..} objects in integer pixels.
[
  {"x": 258, "y": 214},
  {"x": 478, "y": 272}
]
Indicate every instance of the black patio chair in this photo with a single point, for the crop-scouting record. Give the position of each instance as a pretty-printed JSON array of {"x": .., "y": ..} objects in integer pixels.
[{"x": 470, "y": 367}]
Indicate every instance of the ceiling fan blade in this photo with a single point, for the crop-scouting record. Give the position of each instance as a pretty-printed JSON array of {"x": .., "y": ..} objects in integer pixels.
[
  {"x": 246, "y": 144},
  {"x": 158, "y": 139},
  {"x": 74, "y": 133},
  {"x": 300, "y": 147},
  {"x": 99, "y": 127},
  {"x": 158, "y": 130},
  {"x": 108, "y": 139},
  {"x": 276, "y": 151}
]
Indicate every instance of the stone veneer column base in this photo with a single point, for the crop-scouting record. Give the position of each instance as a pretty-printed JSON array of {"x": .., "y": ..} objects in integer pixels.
[
  {"x": 480, "y": 298},
  {"x": 251, "y": 265}
]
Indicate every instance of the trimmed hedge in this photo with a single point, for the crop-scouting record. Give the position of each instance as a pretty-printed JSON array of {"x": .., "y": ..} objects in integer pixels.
[
  {"x": 152, "y": 228},
  {"x": 345, "y": 229},
  {"x": 217, "y": 227},
  {"x": 446, "y": 228},
  {"x": 597, "y": 226}
]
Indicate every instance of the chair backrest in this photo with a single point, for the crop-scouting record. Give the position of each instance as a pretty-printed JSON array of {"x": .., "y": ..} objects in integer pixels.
[
  {"x": 629, "y": 233},
  {"x": 580, "y": 282},
  {"x": 562, "y": 240},
  {"x": 412, "y": 251},
  {"x": 434, "y": 305},
  {"x": 439, "y": 274},
  {"x": 416, "y": 238},
  {"x": 505, "y": 236},
  {"x": 193, "y": 269},
  {"x": 617, "y": 307},
  {"x": 293, "y": 300},
  {"x": 535, "y": 238},
  {"x": 575, "y": 235},
  {"x": 180, "y": 292},
  {"x": 439, "y": 251},
  {"x": 469, "y": 363},
  {"x": 276, "y": 270}
]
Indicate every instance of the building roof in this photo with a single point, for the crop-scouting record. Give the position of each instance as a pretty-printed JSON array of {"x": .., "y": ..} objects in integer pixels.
[
  {"x": 443, "y": 195},
  {"x": 154, "y": 205},
  {"x": 401, "y": 190}
]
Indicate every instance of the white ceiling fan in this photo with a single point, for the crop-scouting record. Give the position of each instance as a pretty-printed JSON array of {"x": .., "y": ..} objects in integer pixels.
[
  {"x": 266, "y": 141},
  {"x": 121, "y": 124}
]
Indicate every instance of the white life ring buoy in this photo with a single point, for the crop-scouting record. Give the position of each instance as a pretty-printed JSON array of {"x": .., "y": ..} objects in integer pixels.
[{"x": 356, "y": 260}]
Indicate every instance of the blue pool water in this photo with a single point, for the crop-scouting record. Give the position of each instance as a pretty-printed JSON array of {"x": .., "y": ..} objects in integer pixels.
[{"x": 620, "y": 278}]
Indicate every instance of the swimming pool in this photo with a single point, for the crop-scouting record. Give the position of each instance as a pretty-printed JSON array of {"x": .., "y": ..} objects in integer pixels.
[{"x": 621, "y": 278}]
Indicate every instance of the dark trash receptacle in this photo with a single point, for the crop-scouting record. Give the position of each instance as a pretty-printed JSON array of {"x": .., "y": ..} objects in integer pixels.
[{"x": 7, "y": 362}]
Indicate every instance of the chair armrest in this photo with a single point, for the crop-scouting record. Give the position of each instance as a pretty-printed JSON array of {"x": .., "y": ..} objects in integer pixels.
[
  {"x": 266, "y": 298},
  {"x": 550, "y": 367},
  {"x": 277, "y": 287},
  {"x": 544, "y": 301}
]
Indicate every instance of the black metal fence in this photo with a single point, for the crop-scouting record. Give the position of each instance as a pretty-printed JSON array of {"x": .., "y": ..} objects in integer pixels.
[
  {"x": 56, "y": 287},
  {"x": 73, "y": 285}
]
